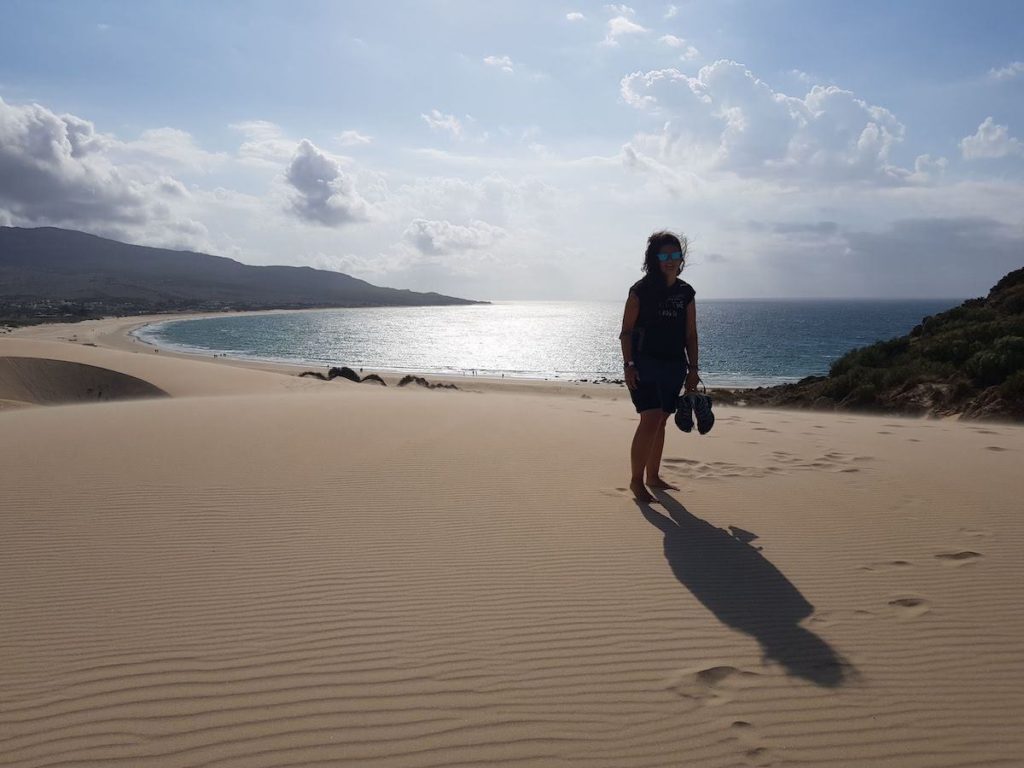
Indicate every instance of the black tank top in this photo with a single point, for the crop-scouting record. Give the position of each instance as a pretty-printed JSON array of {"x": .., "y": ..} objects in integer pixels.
[{"x": 660, "y": 329}]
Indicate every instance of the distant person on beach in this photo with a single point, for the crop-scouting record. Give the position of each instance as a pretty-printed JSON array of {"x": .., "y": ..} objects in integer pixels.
[{"x": 659, "y": 352}]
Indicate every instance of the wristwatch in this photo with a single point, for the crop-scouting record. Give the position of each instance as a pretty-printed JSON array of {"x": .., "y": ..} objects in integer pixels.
[{"x": 629, "y": 364}]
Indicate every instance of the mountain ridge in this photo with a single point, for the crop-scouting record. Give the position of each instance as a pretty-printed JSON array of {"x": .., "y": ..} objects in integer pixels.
[{"x": 49, "y": 273}]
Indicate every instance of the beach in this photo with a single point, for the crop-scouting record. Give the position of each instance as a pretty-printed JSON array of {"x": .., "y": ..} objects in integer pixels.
[{"x": 244, "y": 567}]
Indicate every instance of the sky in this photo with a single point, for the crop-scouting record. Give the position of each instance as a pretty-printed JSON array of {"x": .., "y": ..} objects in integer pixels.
[{"x": 515, "y": 150}]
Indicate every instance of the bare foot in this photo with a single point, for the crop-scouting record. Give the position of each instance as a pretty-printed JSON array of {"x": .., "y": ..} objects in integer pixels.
[
  {"x": 640, "y": 493},
  {"x": 657, "y": 482}
]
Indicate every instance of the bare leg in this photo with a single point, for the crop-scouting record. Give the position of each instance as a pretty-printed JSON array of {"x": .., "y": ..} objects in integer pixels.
[
  {"x": 654, "y": 460},
  {"x": 643, "y": 439}
]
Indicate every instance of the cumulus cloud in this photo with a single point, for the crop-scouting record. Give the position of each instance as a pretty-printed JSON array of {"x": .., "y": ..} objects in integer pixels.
[
  {"x": 671, "y": 12},
  {"x": 928, "y": 168},
  {"x": 1010, "y": 71},
  {"x": 727, "y": 119},
  {"x": 168, "y": 148},
  {"x": 322, "y": 192},
  {"x": 353, "y": 138},
  {"x": 688, "y": 52},
  {"x": 439, "y": 121},
  {"x": 574, "y": 16},
  {"x": 172, "y": 187},
  {"x": 55, "y": 169},
  {"x": 621, "y": 24},
  {"x": 504, "y": 63},
  {"x": 991, "y": 140},
  {"x": 264, "y": 143},
  {"x": 443, "y": 237}
]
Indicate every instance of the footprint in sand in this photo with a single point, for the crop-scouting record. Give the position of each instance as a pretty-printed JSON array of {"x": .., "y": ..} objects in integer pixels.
[
  {"x": 616, "y": 493},
  {"x": 958, "y": 558},
  {"x": 887, "y": 564},
  {"x": 910, "y": 607},
  {"x": 976, "y": 533},
  {"x": 754, "y": 752},
  {"x": 823, "y": 620},
  {"x": 712, "y": 685}
]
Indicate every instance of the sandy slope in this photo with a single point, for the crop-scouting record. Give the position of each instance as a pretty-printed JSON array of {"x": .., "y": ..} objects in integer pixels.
[{"x": 262, "y": 570}]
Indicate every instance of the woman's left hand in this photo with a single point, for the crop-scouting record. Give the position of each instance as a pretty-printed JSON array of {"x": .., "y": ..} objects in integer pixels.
[{"x": 692, "y": 379}]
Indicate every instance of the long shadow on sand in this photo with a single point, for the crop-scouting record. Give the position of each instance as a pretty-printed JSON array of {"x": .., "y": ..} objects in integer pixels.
[{"x": 745, "y": 591}]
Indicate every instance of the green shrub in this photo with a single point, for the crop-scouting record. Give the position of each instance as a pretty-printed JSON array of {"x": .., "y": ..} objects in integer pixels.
[
  {"x": 965, "y": 314},
  {"x": 1011, "y": 352},
  {"x": 956, "y": 354},
  {"x": 914, "y": 372},
  {"x": 984, "y": 368},
  {"x": 992, "y": 366},
  {"x": 1012, "y": 301},
  {"x": 1013, "y": 387},
  {"x": 1009, "y": 280},
  {"x": 953, "y": 347},
  {"x": 836, "y": 388},
  {"x": 863, "y": 396},
  {"x": 877, "y": 355}
]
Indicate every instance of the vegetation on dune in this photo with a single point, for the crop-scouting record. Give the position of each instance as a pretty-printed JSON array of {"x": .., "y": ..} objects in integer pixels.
[{"x": 968, "y": 360}]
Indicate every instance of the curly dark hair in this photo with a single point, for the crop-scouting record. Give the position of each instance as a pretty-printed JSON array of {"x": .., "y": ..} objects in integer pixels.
[{"x": 651, "y": 266}]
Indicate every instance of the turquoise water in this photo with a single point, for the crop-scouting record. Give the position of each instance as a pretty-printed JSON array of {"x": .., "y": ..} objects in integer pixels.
[{"x": 742, "y": 343}]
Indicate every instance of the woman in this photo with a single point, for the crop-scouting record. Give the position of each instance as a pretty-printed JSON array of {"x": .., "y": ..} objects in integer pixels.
[{"x": 659, "y": 351}]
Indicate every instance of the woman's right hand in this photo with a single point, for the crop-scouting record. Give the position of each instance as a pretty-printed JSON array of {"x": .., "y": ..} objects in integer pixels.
[{"x": 632, "y": 377}]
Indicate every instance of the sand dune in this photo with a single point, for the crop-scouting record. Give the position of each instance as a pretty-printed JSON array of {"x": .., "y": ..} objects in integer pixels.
[
  {"x": 266, "y": 571},
  {"x": 46, "y": 382}
]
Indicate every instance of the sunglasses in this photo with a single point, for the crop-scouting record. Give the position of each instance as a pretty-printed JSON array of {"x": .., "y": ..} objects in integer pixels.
[{"x": 677, "y": 256}]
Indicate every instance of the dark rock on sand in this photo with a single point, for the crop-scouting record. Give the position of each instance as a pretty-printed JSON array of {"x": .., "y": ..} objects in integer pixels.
[
  {"x": 419, "y": 380},
  {"x": 344, "y": 372}
]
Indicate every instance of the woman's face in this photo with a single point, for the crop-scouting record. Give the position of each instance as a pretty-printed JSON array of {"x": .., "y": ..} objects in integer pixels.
[{"x": 671, "y": 266}]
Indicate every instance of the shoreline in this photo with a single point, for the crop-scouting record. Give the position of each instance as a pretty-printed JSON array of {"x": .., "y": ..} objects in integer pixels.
[
  {"x": 130, "y": 326},
  {"x": 118, "y": 333}
]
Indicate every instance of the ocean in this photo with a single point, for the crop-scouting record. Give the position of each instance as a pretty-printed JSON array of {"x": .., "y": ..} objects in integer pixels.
[{"x": 743, "y": 343}]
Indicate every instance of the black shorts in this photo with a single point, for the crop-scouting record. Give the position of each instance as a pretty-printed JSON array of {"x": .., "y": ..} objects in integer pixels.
[{"x": 660, "y": 383}]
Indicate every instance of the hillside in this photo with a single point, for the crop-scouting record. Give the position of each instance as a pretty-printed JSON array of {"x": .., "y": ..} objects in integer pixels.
[
  {"x": 49, "y": 274},
  {"x": 967, "y": 361}
]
